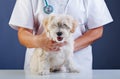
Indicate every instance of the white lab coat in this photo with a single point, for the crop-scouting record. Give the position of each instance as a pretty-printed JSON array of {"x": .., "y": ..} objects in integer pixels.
[{"x": 89, "y": 13}]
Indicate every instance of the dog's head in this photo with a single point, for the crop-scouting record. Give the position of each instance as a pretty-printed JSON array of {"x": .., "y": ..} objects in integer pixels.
[{"x": 59, "y": 27}]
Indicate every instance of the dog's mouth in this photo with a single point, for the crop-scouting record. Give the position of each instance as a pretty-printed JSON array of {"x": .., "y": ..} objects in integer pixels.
[{"x": 59, "y": 38}]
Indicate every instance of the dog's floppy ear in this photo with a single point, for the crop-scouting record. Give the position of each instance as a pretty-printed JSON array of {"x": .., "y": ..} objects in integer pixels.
[
  {"x": 47, "y": 20},
  {"x": 51, "y": 17},
  {"x": 74, "y": 25},
  {"x": 45, "y": 24}
]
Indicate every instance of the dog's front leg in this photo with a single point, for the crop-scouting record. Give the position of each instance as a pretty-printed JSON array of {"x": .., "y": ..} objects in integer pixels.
[
  {"x": 34, "y": 64},
  {"x": 70, "y": 64},
  {"x": 44, "y": 66},
  {"x": 71, "y": 67}
]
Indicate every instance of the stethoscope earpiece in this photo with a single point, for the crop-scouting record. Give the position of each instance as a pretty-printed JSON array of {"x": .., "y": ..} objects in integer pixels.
[{"x": 47, "y": 8}]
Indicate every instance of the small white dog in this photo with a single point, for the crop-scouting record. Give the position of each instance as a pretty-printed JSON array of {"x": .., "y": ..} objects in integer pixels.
[{"x": 59, "y": 28}]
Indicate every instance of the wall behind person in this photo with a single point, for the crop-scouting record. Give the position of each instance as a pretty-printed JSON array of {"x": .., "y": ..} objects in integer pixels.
[
  {"x": 106, "y": 51},
  {"x": 11, "y": 52}
]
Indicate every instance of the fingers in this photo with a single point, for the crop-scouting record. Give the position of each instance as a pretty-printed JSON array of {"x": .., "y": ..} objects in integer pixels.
[
  {"x": 55, "y": 49},
  {"x": 62, "y": 44},
  {"x": 54, "y": 46}
]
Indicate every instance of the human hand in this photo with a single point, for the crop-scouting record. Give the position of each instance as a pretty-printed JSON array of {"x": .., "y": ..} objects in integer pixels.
[
  {"x": 49, "y": 45},
  {"x": 53, "y": 46}
]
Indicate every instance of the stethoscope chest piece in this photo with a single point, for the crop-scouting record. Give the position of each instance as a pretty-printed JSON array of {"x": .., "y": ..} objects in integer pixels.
[{"x": 48, "y": 9}]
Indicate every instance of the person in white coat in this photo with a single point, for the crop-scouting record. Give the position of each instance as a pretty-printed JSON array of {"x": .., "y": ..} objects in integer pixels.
[{"x": 92, "y": 15}]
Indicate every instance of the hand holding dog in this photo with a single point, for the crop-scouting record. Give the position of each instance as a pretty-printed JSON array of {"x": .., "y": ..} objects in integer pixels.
[{"x": 47, "y": 44}]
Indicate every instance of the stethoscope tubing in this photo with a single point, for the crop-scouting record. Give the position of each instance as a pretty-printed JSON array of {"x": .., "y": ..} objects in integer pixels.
[{"x": 46, "y": 2}]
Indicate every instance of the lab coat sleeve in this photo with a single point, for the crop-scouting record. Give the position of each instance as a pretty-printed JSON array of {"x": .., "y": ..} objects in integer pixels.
[
  {"x": 22, "y": 15},
  {"x": 97, "y": 14}
]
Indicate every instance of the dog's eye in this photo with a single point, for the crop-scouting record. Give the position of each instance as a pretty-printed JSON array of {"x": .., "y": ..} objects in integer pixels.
[
  {"x": 53, "y": 26},
  {"x": 66, "y": 26}
]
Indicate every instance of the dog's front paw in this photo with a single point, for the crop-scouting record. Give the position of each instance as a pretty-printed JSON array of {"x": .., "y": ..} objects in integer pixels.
[
  {"x": 33, "y": 71},
  {"x": 44, "y": 72},
  {"x": 72, "y": 70}
]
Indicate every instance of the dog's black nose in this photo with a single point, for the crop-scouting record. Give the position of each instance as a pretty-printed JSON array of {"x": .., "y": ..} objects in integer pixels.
[{"x": 59, "y": 33}]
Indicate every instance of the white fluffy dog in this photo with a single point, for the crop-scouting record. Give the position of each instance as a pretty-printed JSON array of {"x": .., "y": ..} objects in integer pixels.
[{"x": 58, "y": 28}]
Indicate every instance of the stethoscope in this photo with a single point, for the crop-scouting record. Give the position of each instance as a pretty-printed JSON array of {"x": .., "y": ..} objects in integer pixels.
[{"x": 47, "y": 8}]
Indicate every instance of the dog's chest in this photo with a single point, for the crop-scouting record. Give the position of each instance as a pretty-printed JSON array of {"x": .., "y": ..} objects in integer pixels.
[{"x": 57, "y": 59}]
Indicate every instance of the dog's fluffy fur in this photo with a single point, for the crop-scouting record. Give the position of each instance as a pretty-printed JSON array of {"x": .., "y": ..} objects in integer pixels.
[{"x": 42, "y": 62}]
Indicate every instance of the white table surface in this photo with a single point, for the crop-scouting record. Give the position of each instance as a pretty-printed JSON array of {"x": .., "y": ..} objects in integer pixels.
[{"x": 95, "y": 74}]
